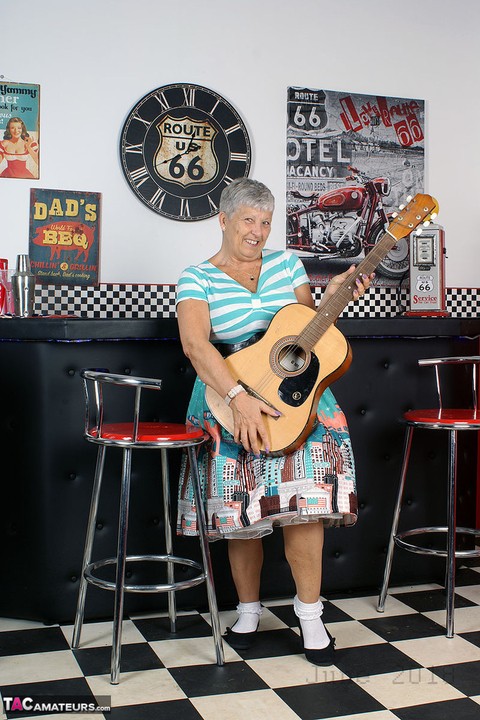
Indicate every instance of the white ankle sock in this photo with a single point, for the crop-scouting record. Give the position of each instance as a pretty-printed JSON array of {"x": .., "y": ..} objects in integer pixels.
[
  {"x": 314, "y": 633},
  {"x": 249, "y": 617}
]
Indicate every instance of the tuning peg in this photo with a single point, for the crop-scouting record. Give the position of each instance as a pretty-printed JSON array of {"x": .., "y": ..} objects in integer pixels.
[
  {"x": 418, "y": 231},
  {"x": 401, "y": 207},
  {"x": 426, "y": 223},
  {"x": 409, "y": 198},
  {"x": 433, "y": 215},
  {"x": 394, "y": 214}
]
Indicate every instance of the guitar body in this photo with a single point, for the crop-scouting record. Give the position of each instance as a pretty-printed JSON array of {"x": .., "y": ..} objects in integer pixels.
[{"x": 288, "y": 377}]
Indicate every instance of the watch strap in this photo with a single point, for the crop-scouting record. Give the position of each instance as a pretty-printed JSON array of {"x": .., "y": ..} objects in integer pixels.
[{"x": 236, "y": 390}]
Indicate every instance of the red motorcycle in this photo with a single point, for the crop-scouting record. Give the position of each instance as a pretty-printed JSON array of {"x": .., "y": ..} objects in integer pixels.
[{"x": 343, "y": 222}]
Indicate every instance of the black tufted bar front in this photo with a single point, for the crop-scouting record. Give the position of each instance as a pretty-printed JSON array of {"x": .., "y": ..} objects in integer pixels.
[{"x": 47, "y": 466}]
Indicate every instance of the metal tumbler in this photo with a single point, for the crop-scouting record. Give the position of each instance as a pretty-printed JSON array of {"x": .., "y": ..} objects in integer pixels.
[{"x": 23, "y": 287}]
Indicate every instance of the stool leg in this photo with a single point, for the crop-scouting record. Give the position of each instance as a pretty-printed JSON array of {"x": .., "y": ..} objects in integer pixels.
[
  {"x": 207, "y": 562},
  {"x": 172, "y": 604},
  {"x": 396, "y": 517},
  {"x": 451, "y": 530},
  {"x": 121, "y": 563},
  {"x": 87, "y": 553}
]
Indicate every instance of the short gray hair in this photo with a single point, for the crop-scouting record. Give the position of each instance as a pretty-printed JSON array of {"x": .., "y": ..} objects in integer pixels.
[{"x": 246, "y": 192}]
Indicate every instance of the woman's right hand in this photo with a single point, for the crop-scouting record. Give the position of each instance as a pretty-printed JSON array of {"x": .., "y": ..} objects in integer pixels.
[
  {"x": 249, "y": 427},
  {"x": 195, "y": 326}
]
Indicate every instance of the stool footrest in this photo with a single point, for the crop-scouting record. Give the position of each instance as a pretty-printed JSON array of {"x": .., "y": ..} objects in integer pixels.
[
  {"x": 400, "y": 542},
  {"x": 164, "y": 587}
]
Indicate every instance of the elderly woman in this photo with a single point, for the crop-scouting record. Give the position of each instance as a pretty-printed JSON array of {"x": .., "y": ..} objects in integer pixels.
[{"x": 222, "y": 301}]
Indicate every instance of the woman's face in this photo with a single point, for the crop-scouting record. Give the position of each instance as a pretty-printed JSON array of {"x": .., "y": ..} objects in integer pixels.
[
  {"x": 246, "y": 231},
  {"x": 15, "y": 129}
]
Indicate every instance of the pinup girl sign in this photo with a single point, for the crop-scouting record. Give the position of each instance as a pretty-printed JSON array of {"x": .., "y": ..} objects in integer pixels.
[{"x": 19, "y": 131}]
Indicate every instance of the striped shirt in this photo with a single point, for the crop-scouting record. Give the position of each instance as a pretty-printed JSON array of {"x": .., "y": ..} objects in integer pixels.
[{"x": 235, "y": 312}]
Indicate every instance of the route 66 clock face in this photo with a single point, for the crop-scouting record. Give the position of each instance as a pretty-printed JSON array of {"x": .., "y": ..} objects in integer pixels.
[{"x": 180, "y": 146}]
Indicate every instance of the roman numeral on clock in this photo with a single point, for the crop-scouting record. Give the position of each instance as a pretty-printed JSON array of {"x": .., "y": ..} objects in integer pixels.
[
  {"x": 162, "y": 100},
  {"x": 158, "y": 197},
  {"x": 217, "y": 103},
  {"x": 139, "y": 176},
  {"x": 184, "y": 208},
  {"x": 189, "y": 94},
  {"x": 238, "y": 157},
  {"x": 134, "y": 148},
  {"x": 212, "y": 204},
  {"x": 232, "y": 129},
  {"x": 140, "y": 119}
]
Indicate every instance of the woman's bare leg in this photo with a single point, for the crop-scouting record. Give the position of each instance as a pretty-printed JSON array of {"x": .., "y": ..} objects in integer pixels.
[
  {"x": 246, "y": 560},
  {"x": 304, "y": 550}
]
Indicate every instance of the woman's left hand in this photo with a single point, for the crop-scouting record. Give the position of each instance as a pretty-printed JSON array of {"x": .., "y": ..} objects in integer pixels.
[{"x": 362, "y": 283}]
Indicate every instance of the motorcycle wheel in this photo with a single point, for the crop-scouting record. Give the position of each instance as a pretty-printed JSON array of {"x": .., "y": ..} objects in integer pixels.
[{"x": 396, "y": 262}]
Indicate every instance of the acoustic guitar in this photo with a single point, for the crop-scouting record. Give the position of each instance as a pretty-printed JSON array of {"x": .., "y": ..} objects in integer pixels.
[{"x": 302, "y": 352}]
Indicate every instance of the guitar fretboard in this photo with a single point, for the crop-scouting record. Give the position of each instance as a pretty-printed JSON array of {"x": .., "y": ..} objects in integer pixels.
[
  {"x": 418, "y": 210},
  {"x": 329, "y": 312}
]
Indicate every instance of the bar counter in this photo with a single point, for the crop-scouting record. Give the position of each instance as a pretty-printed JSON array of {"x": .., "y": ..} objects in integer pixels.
[
  {"x": 44, "y": 497},
  {"x": 75, "y": 328}
]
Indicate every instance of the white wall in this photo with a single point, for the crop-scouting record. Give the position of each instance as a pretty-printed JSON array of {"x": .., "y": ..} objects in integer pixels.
[{"x": 94, "y": 59}]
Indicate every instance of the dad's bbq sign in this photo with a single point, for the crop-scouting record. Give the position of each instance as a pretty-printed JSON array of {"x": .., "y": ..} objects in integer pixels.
[{"x": 64, "y": 236}]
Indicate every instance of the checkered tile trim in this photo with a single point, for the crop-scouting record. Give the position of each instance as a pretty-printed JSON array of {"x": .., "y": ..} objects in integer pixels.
[
  {"x": 153, "y": 301},
  {"x": 107, "y": 301}
]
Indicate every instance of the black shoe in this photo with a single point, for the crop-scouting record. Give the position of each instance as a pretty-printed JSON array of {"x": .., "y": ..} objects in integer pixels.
[
  {"x": 320, "y": 656},
  {"x": 240, "y": 641}
]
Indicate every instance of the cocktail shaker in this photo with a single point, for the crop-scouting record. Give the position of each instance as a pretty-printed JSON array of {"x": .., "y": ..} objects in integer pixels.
[
  {"x": 23, "y": 287},
  {"x": 3, "y": 284}
]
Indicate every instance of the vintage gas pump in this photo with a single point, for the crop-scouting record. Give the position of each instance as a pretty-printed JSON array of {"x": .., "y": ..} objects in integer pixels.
[{"x": 427, "y": 272}]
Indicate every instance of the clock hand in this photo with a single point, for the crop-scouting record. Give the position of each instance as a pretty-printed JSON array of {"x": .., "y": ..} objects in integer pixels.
[
  {"x": 189, "y": 144},
  {"x": 191, "y": 147}
]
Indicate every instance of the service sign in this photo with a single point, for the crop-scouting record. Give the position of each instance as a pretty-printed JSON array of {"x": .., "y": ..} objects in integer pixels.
[{"x": 65, "y": 236}]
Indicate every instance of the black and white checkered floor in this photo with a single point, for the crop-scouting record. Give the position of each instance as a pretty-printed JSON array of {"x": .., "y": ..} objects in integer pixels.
[{"x": 395, "y": 665}]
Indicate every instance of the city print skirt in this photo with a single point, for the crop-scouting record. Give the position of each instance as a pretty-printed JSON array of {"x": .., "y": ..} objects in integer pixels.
[{"x": 246, "y": 496}]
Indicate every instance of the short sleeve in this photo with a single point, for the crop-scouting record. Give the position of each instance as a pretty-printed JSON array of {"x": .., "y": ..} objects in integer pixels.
[
  {"x": 191, "y": 285},
  {"x": 297, "y": 271}
]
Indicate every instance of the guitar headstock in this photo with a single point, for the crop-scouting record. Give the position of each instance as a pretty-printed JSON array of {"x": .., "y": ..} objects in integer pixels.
[{"x": 420, "y": 209}]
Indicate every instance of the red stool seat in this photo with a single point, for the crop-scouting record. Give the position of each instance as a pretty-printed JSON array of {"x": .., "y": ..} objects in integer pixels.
[
  {"x": 148, "y": 432},
  {"x": 460, "y": 419}
]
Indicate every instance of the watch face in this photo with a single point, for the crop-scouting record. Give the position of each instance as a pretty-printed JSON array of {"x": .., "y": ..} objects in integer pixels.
[{"x": 180, "y": 146}]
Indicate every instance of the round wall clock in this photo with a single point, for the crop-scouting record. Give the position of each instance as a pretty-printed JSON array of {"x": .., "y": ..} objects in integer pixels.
[{"x": 180, "y": 146}]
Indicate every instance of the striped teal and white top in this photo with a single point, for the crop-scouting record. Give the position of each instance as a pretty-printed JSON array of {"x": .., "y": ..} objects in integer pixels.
[{"x": 235, "y": 312}]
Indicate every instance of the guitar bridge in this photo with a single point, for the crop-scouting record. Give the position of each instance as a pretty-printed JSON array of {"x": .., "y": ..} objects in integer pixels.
[{"x": 256, "y": 395}]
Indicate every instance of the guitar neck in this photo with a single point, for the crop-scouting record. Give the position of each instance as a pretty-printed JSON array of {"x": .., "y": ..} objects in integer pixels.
[{"x": 329, "y": 311}]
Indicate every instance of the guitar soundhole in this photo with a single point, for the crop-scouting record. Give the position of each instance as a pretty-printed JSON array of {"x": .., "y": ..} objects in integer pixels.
[
  {"x": 295, "y": 388},
  {"x": 292, "y": 358}
]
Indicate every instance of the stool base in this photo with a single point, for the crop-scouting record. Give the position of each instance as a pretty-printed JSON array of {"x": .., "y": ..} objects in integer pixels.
[{"x": 165, "y": 587}]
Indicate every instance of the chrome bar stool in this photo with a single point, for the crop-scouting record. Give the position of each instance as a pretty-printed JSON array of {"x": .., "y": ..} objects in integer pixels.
[
  {"x": 131, "y": 435},
  {"x": 453, "y": 421}
]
